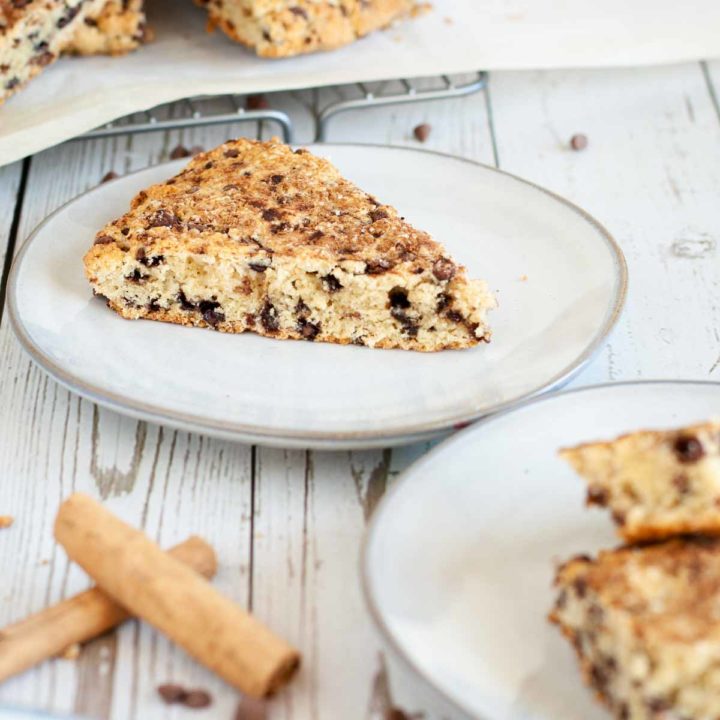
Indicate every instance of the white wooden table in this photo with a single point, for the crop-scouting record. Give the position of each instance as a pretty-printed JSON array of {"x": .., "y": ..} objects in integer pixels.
[{"x": 288, "y": 525}]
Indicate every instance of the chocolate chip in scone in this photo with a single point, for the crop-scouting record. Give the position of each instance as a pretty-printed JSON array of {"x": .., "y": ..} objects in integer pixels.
[
  {"x": 681, "y": 483},
  {"x": 317, "y": 234},
  {"x": 269, "y": 317},
  {"x": 197, "y": 699},
  {"x": 597, "y": 496},
  {"x": 307, "y": 329},
  {"x": 422, "y": 132},
  {"x": 185, "y": 304},
  {"x": 301, "y": 309},
  {"x": 331, "y": 284},
  {"x": 103, "y": 240},
  {"x": 444, "y": 269},
  {"x": 455, "y": 316},
  {"x": 399, "y": 298},
  {"x": 163, "y": 218},
  {"x": 179, "y": 151},
  {"x": 618, "y": 517},
  {"x": 270, "y": 214},
  {"x": 231, "y": 153},
  {"x": 258, "y": 267},
  {"x": 580, "y": 585},
  {"x": 443, "y": 301},
  {"x": 276, "y": 179},
  {"x": 209, "y": 310},
  {"x": 153, "y": 306},
  {"x": 688, "y": 449},
  {"x": 379, "y": 214},
  {"x": 136, "y": 277},
  {"x": 171, "y": 693}
]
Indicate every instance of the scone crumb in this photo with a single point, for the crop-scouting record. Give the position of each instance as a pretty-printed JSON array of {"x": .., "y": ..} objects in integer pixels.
[{"x": 6, "y": 521}]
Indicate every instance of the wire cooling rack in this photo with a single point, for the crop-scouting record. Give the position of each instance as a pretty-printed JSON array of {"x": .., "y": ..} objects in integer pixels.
[{"x": 217, "y": 110}]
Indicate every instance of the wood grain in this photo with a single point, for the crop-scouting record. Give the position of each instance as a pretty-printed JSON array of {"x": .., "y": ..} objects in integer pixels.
[{"x": 288, "y": 525}]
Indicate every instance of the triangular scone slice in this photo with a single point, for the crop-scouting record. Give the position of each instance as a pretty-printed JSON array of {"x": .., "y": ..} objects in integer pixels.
[
  {"x": 656, "y": 483},
  {"x": 256, "y": 236}
]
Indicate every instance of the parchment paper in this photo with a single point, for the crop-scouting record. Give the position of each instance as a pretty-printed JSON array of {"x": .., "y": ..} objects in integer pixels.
[{"x": 78, "y": 94}]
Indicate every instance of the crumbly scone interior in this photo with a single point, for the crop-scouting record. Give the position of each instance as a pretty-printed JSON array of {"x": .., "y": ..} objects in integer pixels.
[
  {"x": 119, "y": 27},
  {"x": 655, "y": 483},
  {"x": 645, "y": 625}
]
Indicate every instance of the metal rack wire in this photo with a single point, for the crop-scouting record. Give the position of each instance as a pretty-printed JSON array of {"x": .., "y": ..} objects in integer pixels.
[{"x": 217, "y": 110}]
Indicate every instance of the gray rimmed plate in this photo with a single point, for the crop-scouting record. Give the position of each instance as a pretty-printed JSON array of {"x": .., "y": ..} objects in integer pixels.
[
  {"x": 459, "y": 558},
  {"x": 559, "y": 276}
]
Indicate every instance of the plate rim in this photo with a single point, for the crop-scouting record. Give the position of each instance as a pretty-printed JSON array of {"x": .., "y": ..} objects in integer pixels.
[
  {"x": 364, "y": 438},
  {"x": 404, "y": 478}
]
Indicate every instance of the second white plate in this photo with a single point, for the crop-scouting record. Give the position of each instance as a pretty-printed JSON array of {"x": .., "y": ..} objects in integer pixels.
[{"x": 559, "y": 277}]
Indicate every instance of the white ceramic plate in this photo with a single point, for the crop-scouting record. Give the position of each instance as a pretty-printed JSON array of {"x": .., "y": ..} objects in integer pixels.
[
  {"x": 293, "y": 393},
  {"x": 459, "y": 558}
]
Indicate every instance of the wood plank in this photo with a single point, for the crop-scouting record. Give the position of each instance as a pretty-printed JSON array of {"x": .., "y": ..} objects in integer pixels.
[
  {"x": 311, "y": 509},
  {"x": 10, "y": 177},
  {"x": 647, "y": 176},
  {"x": 172, "y": 484}
]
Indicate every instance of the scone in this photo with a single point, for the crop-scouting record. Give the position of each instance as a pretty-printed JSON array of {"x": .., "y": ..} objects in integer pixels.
[
  {"x": 118, "y": 28},
  {"x": 655, "y": 483},
  {"x": 33, "y": 33},
  {"x": 645, "y": 624},
  {"x": 255, "y": 236},
  {"x": 280, "y": 28}
]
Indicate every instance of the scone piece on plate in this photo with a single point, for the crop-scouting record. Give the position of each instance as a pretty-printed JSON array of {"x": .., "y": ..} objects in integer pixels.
[
  {"x": 655, "y": 483},
  {"x": 258, "y": 236},
  {"x": 33, "y": 33},
  {"x": 280, "y": 28},
  {"x": 645, "y": 624},
  {"x": 118, "y": 28}
]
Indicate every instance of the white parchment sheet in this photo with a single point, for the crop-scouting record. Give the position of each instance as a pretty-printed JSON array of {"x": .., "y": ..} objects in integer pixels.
[{"x": 78, "y": 94}]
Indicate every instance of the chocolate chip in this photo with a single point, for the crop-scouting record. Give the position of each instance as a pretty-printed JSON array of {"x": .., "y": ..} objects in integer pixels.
[
  {"x": 270, "y": 214},
  {"x": 444, "y": 269},
  {"x": 231, "y": 153},
  {"x": 301, "y": 308},
  {"x": 197, "y": 699},
  {"x": 688, "y": 449},
  {"x": 251, "y": 709},
  {"x": 399, "y": 298},
  {"x": 276, "y": 179},
  {"x": 103, "y": 240},
  {"x": 377, "y": 267},
  {"x": 455, "y": 316},
  {"x": 257, "y": 267},
  {"x": 422, "y": 132},
  {"x": 179, "y": 151},
  {"x": 163, "y": 218},
  {"x": 578, "y": 141},
  {"x": 597, "y": 496},
  {"x": 136, "y": 277},
  {"x": 618, "y": 517},
  {"x": 269, "y": 317},
  {"x": 681, "y": 483},
  {"x": 185, "y": 304},
  {"x": 331, "y": 284},
  {"x": 657, "y": 705},
  {"x": 153, "y": 306},
  {"x": 580, "y": 585},
  {"x": 108, "y": 176},
  {"x": 211, "y": 316},
  {"x": 316, "y": 236},
  {"x": 307, "y": 329},
  {"x": 257, "y": 102},
  {"x": 171, "y": 693},
  {"x": 376, "y": 215},
  {"x": 443, "y": 300}
]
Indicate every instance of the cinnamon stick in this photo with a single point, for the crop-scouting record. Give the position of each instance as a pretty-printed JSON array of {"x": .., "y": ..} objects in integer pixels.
[
  {"x": 133, "y": 570},
  {"x": 81, "y": 618}
]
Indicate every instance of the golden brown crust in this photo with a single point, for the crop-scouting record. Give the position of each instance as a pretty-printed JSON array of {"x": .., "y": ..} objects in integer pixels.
[
  {"x": 120, "y": 27},
  {"x": 280, "y": 29},
  {"x": 256, "y": 236}
]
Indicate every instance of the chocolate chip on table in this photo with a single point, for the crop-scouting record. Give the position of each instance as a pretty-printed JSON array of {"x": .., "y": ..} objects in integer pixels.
[
  {"x": 688, "y": 449},
  {"x": 422, "y": 132},
  {"x": 171, "y": 693},
  {"x": 108, "y": 176},
  {"x": 251, "y": 709},
  {"x": 578, "y": 141},
  {"x": 197, "y": 699},
  {"x": 257, "y": 102},
  {"x": 179, "y": 151}
]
